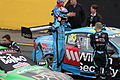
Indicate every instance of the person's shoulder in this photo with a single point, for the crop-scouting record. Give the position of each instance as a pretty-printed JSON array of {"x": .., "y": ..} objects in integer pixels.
[
  {"x": 13, "y": 42},
  {"x": 99, "y": 15},
  {"x": 91, "y": 35},
  {"x": 79, "y": 4},
  {"x": 55, "y": 8},
  {"x": 104, "y": 33}
]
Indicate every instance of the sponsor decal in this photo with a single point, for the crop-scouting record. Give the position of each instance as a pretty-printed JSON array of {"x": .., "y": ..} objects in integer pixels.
[
  {"x": 44, "y": 45},
  {"x": 30, "y": 69},
  {"x": 85, "y": 61},
  {"x": 21, "y": 64},
  {"x": 47, "y": 40},
  {"x": 115, "y": 35},
  {"x": 50, "y": 75},
  {"x": 47, "y": 49},
  {"x": 3, "y": 75},
  {"x": 72, "y": 37},
  {"x": 72, "y": 56},
  {"x": 27, "y": 35},
  {"x": 12, "y": 59},
  {"x": 7, "y": 51}
]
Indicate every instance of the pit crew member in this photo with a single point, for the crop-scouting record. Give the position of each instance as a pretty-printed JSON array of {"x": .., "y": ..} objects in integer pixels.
[
  {"x": 99, "y": 41},
  {"x": 7, "y": 42}
]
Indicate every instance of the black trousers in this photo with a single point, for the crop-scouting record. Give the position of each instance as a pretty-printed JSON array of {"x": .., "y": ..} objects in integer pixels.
[{"x": 101, "y": 60}]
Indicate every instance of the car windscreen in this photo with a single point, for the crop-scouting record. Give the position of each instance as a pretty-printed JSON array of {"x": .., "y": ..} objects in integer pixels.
[
  {"x": 115, "y": 38},
  {"x": 11, "y": 61}
]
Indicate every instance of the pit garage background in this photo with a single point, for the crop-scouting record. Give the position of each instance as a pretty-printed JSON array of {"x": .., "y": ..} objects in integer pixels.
[
  {"x": 109, "y": 9},
  {"x": 17, "y": 13}
]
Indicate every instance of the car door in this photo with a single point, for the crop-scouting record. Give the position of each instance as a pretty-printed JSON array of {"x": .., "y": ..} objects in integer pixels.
[{"x": 79, "y": 52}]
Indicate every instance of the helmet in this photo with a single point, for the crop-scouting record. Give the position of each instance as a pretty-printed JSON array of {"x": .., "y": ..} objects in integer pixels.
[{"x": 58, "y": 1}]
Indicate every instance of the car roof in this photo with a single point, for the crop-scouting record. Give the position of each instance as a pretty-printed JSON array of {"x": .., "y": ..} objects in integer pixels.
[{"x": 109, "y": 30}]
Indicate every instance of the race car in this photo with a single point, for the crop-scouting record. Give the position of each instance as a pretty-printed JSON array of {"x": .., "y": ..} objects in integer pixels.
[
  {"x": 78, "y": 58},
  {"x": 15, "y": 66},
  {"x": 2, "y": 47}
]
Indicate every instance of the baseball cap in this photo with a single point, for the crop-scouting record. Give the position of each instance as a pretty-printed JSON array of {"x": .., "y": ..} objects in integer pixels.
[{"x": 60, "y": 1}]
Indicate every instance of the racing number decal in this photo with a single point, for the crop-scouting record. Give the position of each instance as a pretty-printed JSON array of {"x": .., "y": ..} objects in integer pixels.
[{"x": 73, "y": 37}]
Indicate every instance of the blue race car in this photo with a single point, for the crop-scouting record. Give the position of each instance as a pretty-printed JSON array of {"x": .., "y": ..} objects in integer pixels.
[{"x": 78, "y": 58}]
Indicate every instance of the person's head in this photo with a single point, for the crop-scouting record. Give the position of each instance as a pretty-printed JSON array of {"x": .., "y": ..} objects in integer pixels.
[
  {"x": 61, "y": 2},
  {"x": 63, "y": 20},
  {"x": 73, "y": 2},
  {"x": 93, "y": 8},
  {"x": 98, "y": 26},
  {"x": 6, "y": 38}
]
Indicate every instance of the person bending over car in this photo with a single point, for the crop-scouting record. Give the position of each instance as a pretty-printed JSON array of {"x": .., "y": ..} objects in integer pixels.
[
  {"x": 99, "y": 41},
  {"x": 6, "y": 42}
]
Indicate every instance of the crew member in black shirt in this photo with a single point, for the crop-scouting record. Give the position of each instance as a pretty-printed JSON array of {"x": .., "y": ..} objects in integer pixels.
[
  {"x": 94, "y": 16},
  {"x": 99, "y": 42},
  {"x": 79, "y": 18},
  {"x": 6, "y": 42}
]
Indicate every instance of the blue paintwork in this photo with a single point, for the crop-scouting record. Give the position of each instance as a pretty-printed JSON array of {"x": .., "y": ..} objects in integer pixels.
[{"x": 49, "y": 40}]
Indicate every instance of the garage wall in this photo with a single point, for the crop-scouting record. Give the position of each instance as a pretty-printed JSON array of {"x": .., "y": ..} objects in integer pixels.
[{"x": 17, "y": 13}]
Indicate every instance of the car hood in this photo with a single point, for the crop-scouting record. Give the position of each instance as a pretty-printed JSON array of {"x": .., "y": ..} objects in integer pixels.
[
  {"x": 38, "y": 73},
  {"x": 2, "y": 47}
]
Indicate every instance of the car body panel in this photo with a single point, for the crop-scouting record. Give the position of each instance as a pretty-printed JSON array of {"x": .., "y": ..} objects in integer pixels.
[
  {"x": 2, "y": 47},
  {"x": 80, "y": 61},
  {"x": 15, "y": 66}
]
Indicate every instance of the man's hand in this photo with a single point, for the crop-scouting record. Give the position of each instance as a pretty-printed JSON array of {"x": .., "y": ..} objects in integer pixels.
[{"x": 71, "y": 14}]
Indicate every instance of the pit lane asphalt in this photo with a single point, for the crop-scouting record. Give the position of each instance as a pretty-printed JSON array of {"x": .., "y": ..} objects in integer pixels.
[{"x": 16, "y": 36}]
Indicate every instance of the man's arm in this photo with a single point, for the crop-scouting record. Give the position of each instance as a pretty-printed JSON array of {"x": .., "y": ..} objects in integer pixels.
[
  {"x": 4, "y": 44},
  {"x": 15, "y": 47}
]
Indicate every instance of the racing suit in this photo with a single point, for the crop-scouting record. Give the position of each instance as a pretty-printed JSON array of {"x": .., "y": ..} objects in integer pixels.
[
  {"x": 12, "y": 45},
  {"x": 58, "y": 31},
  {"x": 99, "y": 42}
]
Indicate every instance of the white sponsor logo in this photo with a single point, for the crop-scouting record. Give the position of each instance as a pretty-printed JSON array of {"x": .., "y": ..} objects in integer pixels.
[
  {"x": 87, "y": 57},
  {"x": 12, "y": 59}
]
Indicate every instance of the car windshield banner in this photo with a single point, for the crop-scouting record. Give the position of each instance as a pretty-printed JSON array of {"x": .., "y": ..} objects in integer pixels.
[{"x": 12, "y": 61}]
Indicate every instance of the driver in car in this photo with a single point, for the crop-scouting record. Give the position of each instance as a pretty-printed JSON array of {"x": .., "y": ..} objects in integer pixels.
[
  {"x": 99, "y": 41},
  {"x": 7, "y": 42}
]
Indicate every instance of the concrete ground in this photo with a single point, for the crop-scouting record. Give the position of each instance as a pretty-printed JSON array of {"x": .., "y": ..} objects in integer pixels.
[{"x": 16, "y": 36}]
